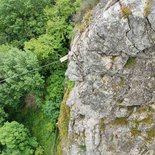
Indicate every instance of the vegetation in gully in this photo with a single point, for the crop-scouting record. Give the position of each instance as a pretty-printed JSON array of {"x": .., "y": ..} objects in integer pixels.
[{"x": 33, "y": 33}]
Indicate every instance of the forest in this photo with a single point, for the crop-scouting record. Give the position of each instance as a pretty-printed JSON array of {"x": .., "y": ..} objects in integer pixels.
[{"x": 34, "y": 35}]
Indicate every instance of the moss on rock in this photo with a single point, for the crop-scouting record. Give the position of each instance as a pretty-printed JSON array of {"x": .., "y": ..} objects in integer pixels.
[
  {"x": 120, "y": 121},
  {"x": 63, "y": 120},
  {"x": 151, "y": 134},
  {"x": 131, "y": 62}
]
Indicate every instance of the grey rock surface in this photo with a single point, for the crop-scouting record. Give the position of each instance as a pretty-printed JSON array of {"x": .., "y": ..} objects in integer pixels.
[{"x": 113, "y": 65}]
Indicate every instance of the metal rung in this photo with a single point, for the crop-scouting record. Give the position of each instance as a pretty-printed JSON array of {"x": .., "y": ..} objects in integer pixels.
[{"x": 64, "y": 58}]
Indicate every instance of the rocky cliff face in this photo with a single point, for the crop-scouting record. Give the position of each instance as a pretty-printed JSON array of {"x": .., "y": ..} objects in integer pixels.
[{"x": 113, "y": 65}]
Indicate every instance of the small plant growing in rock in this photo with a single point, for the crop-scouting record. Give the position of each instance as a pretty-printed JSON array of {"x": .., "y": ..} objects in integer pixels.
[
  {"x": 151, "y": 134},
  {"x": 84, "y": 15},
  {"x": 82, "y": 27},
  {"x": 88, "y": 16},
  {"x": 131, "y": 62},
  {"x": 135, "y": 132},
  {"x": 86, "y": 6},
  {"x": 82, "y": 147},
  {"x": 126, "y": 11},
  {"x": 86, "y": 21},
  {"x": 147, "y": 8}
]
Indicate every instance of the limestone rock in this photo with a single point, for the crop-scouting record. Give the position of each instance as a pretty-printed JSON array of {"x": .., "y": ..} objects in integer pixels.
[{"x": 113, "y": 65}]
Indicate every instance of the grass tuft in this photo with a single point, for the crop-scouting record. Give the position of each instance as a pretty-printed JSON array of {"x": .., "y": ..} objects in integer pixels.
[
  {"x": 147, "y": 8},
  {"x": 126, "y": 11}
]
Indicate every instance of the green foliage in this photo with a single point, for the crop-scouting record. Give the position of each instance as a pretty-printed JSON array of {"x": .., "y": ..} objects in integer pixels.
[
  {"x": 55, "y": 42},
  {"x": 44, "y": 47},
  {"x": 54, "y": 94},
  {"x": 69, "y": 84},
  {"x": 62, "y": 8},
  {"x": 21, "y": 20},
  {"x": 39, "y": 151},
  {"x": 16, "y": 140},
  {"x": 40, "y": 127},
  {"x": 45, "y": 32},
  {"x": 13, "y": 62},
  {"x": 3, "y": 116}
]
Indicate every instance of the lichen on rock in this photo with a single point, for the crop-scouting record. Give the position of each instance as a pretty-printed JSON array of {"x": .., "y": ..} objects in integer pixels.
[{"x": 112, "y": 105}]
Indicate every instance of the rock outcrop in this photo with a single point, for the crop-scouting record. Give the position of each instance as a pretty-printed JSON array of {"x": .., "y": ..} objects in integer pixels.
[{"x": 113, "y": 65}]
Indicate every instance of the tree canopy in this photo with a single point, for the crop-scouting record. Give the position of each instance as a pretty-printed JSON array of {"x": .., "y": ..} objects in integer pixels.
[
  {"x": 33, "y": 33},
  {"x": 3, "y": 116},
  {"x": 16, "y": 140},
  {"x": 56, "y": 41},
  {"x": 21, "y": 20},
  {"x": 15, "y": 62}
]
